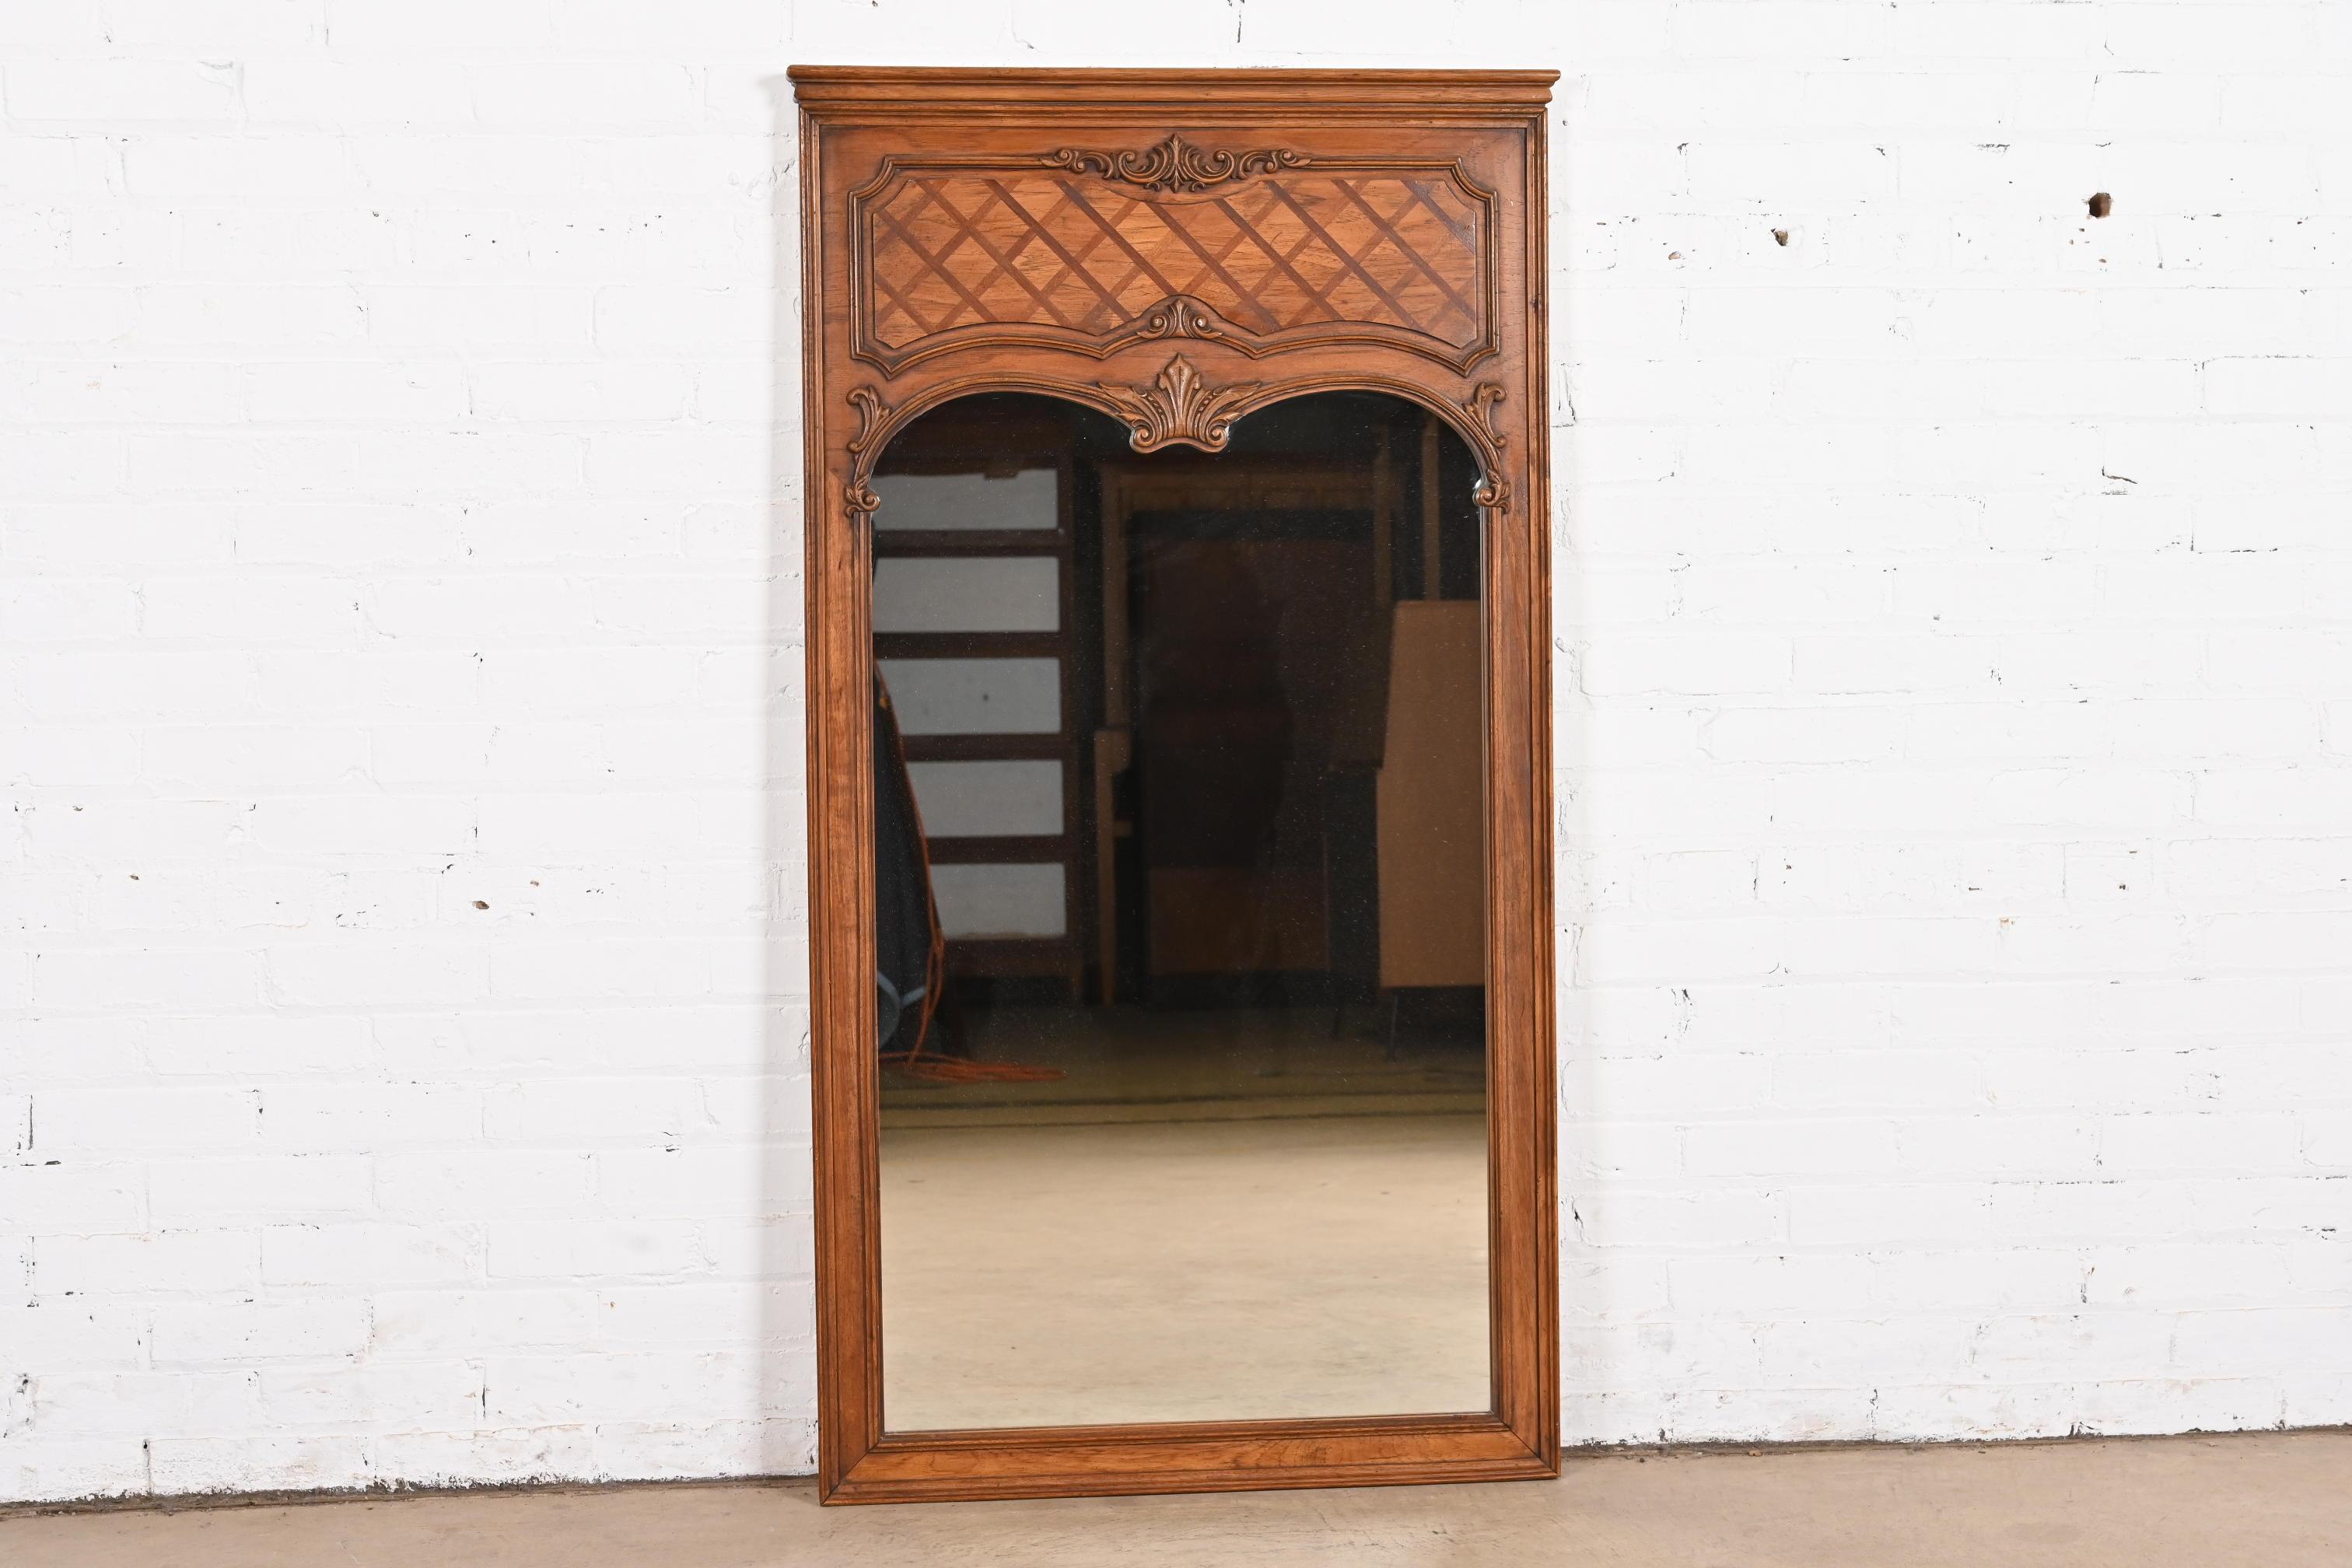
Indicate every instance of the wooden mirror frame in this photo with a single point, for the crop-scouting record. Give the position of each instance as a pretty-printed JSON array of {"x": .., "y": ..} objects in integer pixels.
[{"x": 1439, "y": 301}]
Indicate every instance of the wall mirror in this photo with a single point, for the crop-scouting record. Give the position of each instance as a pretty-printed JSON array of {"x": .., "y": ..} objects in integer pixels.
[{"x": 1178, "y": 774}]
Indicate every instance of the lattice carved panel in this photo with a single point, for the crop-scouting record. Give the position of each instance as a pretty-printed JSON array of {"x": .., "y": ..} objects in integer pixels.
[{"x": 1261, "y": 250}]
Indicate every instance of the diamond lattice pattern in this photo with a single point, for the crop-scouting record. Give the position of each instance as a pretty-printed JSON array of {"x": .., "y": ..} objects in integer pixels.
[{"x": 954, "y": 250}]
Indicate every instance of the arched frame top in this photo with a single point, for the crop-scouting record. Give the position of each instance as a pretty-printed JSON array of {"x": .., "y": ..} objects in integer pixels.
[
  {"x": 1178, "y": 250},
  {"x": 1177, "y": 410}
]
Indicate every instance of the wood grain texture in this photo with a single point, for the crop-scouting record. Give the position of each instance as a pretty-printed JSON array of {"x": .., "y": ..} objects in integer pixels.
[
  {"x": 1237, "y": 1456},
  {"x": 1159, "y": 139}
]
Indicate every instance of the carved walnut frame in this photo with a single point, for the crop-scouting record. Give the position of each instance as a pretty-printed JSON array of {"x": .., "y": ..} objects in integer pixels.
[{"x": 1075, "y": 233}]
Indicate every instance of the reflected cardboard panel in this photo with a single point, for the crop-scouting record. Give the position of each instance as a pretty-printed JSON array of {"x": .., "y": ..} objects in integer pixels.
[{"x": 1182, "y": 1118}]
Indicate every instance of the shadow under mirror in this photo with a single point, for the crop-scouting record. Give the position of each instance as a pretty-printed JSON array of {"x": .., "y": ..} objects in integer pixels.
[{"x": 1180, "y": 919}]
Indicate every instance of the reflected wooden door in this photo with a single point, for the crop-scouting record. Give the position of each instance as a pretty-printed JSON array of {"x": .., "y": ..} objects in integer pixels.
[{"x": 1247, "y": 628}]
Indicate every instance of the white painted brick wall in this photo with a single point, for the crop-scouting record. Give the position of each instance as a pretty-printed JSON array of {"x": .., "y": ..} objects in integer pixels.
[{"x": 401, "y": 944}]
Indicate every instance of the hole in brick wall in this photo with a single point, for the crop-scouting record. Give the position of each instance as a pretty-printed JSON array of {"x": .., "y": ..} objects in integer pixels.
[{"x": 2101, "y": 204}]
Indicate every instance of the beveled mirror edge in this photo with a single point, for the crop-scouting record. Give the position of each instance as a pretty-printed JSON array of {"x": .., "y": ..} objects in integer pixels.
[{"x": 846, "y": 424}]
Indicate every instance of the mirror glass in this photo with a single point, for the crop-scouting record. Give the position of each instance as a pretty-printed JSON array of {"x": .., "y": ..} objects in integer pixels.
[{"x": 1180, "y": 860}]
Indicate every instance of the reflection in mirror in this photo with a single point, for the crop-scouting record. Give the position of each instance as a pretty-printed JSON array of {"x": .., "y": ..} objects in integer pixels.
[{"x": 1179, "y": 864}]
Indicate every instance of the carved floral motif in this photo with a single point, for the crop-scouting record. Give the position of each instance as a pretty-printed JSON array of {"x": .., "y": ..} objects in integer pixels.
[{"x": 1175, "y": 164}]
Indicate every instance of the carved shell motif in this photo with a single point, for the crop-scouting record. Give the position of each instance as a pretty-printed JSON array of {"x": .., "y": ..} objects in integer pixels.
[
  {"x": 1175, "y": 164},
  {"x": 1177, "y": 408}
]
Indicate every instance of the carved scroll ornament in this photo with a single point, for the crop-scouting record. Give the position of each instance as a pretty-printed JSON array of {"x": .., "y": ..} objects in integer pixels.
[
  {"x": 1175, "y": 164},
  {"x": 1177, "y": 316},
  {"x": 863, "y": 450},
  {"x": 1494, "y": 491}
]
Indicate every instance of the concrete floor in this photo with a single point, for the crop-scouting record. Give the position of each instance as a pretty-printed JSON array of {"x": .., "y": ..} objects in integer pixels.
[
  {"x": 2277, "y": 1500},
  {"x": 1038, "y": 1276}
]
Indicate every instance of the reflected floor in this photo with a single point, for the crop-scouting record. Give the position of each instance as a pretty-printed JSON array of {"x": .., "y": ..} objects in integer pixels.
[
  {"x": 1126, "y": 1063},
  {"x": 1043, "y": 1275}
]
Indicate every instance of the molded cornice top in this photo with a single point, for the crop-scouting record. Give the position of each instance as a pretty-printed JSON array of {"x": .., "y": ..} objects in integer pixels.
[{"x": 819, "y": 87}]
